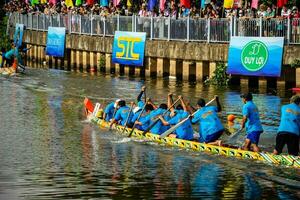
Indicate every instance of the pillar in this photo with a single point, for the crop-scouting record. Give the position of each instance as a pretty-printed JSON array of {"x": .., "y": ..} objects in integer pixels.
[
  {"x": 298, "y": 77},
  {"x": 77, "y": 60},
  {"x": 185, "y": 70},
  {"x": 212, "y": 68},
  {"x": 126, "y": 70},
  {"x": 151, "y": 66},
  {"x": 173, "y": 68},
  {"x": 73, "y": 59},
  {"x": 108, "y": 62},
  {"x": 137, "y": 71},
  {"x": 92, "y": 62},
  {"x": 160, "y": 67},
  {"x": 84, "y": 61},
  {"x": 98, "y": 57},
  {"x": 199, "y": 71},
  {"x": 262, "y": 84},
  {"x": 117, "y": 68}
]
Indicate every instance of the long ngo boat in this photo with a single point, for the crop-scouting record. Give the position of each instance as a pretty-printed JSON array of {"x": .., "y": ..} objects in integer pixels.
[{"x": 284, "y": 160}]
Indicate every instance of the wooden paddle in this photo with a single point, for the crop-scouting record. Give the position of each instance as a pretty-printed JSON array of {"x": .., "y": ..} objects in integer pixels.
[
  {"x": 232, "y": 138},
  {"x": 172, "y": 129},
  {"x": 128, "y": 117},
  {"x": 156, "y": 120},
  {"x": 134, "y": 124}
]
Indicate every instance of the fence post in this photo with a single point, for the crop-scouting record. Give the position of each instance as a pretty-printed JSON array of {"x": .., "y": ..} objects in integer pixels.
[
  {"x": 118, "y": 22},
  {"x": 235, "y": 26},
  {"x": 104, "y": 26},
  {"x": 188, "y": 29},
  {"x": 289, "y": 31},
  {"x": 80, "y": 24},
  {"x": 208, "y": 30},
  {"x": 169, "y": 28},
  {"x": 51, "y": 23},
  {"x": 132, "y": 23},
  {"x": 91, "y": 24},
  {"x": 58, "y": 18},
  {"x": 260, "y": 27},
  {"x": 44, "y": 18},
  {"x": 151, "y": 28},
  {"x": 70, "y": 21}
]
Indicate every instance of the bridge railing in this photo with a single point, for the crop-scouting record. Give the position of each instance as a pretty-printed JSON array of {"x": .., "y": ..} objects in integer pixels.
[{"x": 166, "y": 28}]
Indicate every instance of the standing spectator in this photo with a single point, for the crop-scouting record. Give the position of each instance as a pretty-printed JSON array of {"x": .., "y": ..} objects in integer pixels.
[{"x": 295, "y": 15}]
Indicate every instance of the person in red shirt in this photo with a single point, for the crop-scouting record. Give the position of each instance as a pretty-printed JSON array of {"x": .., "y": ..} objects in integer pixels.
[{"x": 295, "y": 17}]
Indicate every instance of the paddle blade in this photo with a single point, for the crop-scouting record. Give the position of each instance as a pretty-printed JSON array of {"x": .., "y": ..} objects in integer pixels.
[{"x": 88, "y": 105}]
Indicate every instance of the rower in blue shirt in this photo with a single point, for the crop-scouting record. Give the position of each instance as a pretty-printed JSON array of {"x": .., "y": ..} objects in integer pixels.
[
  {"x": 210, "y": 126},
  {"x": 122, "y": 114},
  {"x": 110, "y": 109},
  {"x": 140, "y": 102},
  {"x": 185, "y": 131},
  {"x": 150, "y": 118},
  {"x": 288, "y": 131},
  {"x": 252, "y": 123},
  {"x": 146, "y": 112}
]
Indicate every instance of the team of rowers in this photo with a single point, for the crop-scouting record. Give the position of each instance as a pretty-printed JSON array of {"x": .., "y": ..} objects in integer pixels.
[{"x": 143, "y": 114}]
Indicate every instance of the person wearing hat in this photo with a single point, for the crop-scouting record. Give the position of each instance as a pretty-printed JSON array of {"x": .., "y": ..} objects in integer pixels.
[
  {"x": 288, "y": 130},
  {"x": 252, "y": 123},
  {"x": 110, "y": 110}
]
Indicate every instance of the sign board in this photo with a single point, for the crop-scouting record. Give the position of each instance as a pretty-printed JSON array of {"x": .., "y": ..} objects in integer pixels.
[
  {"x": 56, "y": 41},
  {"x": 255, "y": 56},
  {"x": 129, "y": 48},
  {"x": 18, "y": 35}
]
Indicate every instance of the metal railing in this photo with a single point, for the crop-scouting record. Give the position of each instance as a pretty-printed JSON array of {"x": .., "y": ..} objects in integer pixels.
[{"x": 166, "y": 28}]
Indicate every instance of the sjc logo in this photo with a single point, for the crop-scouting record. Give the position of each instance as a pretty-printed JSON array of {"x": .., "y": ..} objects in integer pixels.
[{"x": 126, "y": 44}]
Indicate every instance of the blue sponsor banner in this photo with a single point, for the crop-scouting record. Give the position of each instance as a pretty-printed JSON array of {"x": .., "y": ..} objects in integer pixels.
[
  {"x": 18, "y": 35},
  {"x": 56, "y": 41},
  {"x": 129, "y": 48},
  {"x": 255, "y": 56}
]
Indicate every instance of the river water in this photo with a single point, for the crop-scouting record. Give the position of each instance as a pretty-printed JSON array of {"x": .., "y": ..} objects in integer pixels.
[{"x": 49, "y": 151}]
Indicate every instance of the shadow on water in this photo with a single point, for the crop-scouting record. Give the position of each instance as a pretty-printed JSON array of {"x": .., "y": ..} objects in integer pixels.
[{"x": 48, "y": 151}]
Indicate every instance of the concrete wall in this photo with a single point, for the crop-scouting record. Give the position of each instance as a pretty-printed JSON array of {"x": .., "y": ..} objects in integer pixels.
[{"x": 184, "y": 60}]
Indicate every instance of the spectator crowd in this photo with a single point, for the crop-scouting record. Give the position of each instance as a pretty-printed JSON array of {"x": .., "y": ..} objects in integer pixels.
[{"x": 174, "y": 8}]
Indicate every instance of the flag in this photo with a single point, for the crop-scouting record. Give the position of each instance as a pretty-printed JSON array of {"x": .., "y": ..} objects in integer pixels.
[
  {"x": 103, "y": 2},
  {"x": 78, "y": 2},
  {"x": 151, "y": 4},
  {"x": 69, "y": 3},
  {"x": 90, "y": 2},
  {"x": 237, "y": 4},
  {"x": 43, "y": 1},
  {"x": 281, "y": 3},
  {"x": 129, "y": 3},
  {"x": 254, "y": 4},
  {"x": 185, "y": 3},
  {"x": 116, "y": 2},
  {"x": 162, "y": 5},
  {"x": 53, "y": 2},
  {"x": 228, "y": 3},
  {"x": 202, "y": 4},
  {"x": 34, "y": 2}
]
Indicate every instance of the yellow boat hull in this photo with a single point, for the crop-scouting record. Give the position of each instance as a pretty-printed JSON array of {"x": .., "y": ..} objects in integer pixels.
[{"x": 285, "y": 160}]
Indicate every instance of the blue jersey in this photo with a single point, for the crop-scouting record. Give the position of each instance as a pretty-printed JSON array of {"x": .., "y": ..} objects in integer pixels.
[
  {"x": 209, "y": 122},
  {"x": 134, "y": 118},
  {"x": 251, "y": 112},
  {"x": 185, "y": 131},
  {"x": 140, "y": 104},
  {"x": 11, "y": 53},
  {"x": 109, "y": 111},
  {"x": 290, "y": 119},
  {"x": 159, "y": 128},
  {"x": 122, "y": 114}
]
